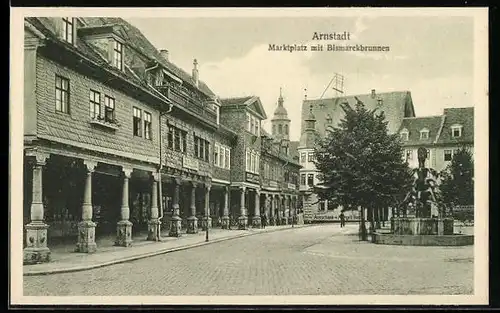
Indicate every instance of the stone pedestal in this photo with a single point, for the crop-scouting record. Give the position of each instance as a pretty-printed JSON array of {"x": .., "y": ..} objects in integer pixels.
[
  {"x": 124, "y": 234},
  {"x": 242, "y": 222},
  {"x": 175, "y": 227},
  {"x": 154, "y": 230},
  {"x": 256, "y": 222},
  {"x": 36, "y": 250},
  {"x": 225, "y": 222},
  {"x": 206, "y": 221},
  {"x": 86, "y": 237},
  {"x": 192, "y": 225}
]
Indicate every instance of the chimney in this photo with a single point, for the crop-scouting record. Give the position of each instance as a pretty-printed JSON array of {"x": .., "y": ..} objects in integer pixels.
[
  {"x": 373, "y": 93},
  {"x": 195, "y": 72},
  {"x": 164, "y": 54}
]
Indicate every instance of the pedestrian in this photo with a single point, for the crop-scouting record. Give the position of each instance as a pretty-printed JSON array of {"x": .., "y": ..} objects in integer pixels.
[
  {"x": 342, "y": 219},
  {"x": 264, "y": 221}
]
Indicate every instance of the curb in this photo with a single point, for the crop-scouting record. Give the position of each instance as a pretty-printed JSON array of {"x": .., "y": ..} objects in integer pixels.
[{"x": 146, "y": 255}]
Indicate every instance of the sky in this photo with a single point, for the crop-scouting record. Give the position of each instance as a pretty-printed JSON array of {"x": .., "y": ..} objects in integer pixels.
[{"x": 430, "y": 56}]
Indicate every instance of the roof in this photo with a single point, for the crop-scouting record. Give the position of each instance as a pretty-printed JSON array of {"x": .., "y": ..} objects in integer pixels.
[
  {"x": 47, "y": 27},
  {"x": 252, "y": 102},
  {"x": 280, "y": 110},
  {"x": 415, "y": 124},
  {"x": 396, "y": 106},
  {"x": 234, "y": 101},
  {"x": 134, "y": 38},
  {"x": 458, "y": 116},
  {"x": 294, "y": 149},
  {"x": 139, "y": 42}
]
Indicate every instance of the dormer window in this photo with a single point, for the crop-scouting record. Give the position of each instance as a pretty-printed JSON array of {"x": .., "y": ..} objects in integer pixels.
[
  {"x": 424, "y": 134},
  {"x": 118, "y": 55},
  {"x": 456, "y": 131},
  {"x": 404, "y": 134},
  {"x": 67, "y": 30}
]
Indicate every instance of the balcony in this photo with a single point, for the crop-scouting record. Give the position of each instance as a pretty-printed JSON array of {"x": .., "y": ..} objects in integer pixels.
[{"x": 195, "y": 106}]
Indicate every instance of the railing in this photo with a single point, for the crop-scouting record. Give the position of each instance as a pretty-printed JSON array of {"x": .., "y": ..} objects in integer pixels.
[{"x": 195, "y": 106}]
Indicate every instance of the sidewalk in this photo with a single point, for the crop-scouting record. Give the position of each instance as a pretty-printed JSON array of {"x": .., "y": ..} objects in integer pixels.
[{"x": 64, "y": 261}]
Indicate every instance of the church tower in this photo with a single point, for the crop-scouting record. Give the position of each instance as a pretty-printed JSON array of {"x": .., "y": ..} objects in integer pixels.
[{"x": 281, "y": 124}]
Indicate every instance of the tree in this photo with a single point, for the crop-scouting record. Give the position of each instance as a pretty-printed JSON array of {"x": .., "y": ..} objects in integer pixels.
[
  {"x": 457, "y": 179},
  {"x": 361, "y": 166}
]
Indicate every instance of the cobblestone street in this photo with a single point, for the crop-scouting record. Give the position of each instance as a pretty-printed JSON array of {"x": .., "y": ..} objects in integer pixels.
[{"x": 318, "y": 260}]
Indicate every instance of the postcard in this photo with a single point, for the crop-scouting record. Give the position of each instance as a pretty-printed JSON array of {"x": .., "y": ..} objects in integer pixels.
[{"x": 314, "y": 156}]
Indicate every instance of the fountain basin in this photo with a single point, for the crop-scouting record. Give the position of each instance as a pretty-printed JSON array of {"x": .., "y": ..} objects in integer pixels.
[
  {"x": 422, "y": 226},
  {"x": 413, "y": 231},
  {"x": 423, "y": 240}
]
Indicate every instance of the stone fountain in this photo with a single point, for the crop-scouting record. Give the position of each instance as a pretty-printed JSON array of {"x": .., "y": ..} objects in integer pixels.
[{"x": 423, "y": 219}]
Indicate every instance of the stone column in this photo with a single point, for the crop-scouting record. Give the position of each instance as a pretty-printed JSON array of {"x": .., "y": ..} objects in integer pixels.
[
  {"x": 266, "y": 206},
  {"x": 192, "y": 220},
  {"x": 284, "y": 210},
  {"x": 36, "y": 250},
  {"x": 256, "y": 221},
  {"x": 207, "y": 220},
  {"x": 154, "y": 223},
  {"x": 124, "y": 226},
  {"x": 175, "y": 221},
  {"x": 86, "y": 228},
  {"x": 272, "y": 203},
  {"x": 225, "y": 213},
  {"x": 242, "y": 219}
]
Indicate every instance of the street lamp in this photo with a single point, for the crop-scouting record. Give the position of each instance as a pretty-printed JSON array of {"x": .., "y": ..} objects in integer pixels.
[{"x": 206, "y": 227}]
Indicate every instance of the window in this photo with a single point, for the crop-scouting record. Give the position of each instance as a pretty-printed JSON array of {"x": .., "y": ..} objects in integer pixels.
[
  {"x": 310, "y": 179},
  {"x": 280, "y": 129},
  {"x": 147, "y": 125},
  {"x": 170, "y": 137},
  {"x": 177, "y": 140},
  {"x": 62, "y": 94},
  {"x": 310, "y": 157},
  {"x": 404, "y": 135},
  {"x": 118, "y": 55},
  {"x": 184, "y": 141},
  {"x": 248, "y": 159},
  {"x": 216, "y": 154},
  {"x": 95, "y": 104},
  {"x": 68, "y": 29},
  {"x": 302, "y": 179},
  {"x": 274, "y": 129},
  {"x": 251, "y": 124},
  {"x": 207, "y": 150},
  {"x": 303, "y": 157},
  {"x": 286, "y": 129},
  {"x": 137, "y": 122},
  {"x": 456, "y": 131},
  {"x": 257, "y": 126},
  {"x": 409, "y": 155},
  {"x": 424, "y": 134},
  {"x": 109, "y": 109},
  {"x": 223, "y": 157},
  {"x": 228, "y": 158},
  {"x": 201, "y": 148},
  {"x": 248, "y": 122},
  {"x": 448, "y": 155}
]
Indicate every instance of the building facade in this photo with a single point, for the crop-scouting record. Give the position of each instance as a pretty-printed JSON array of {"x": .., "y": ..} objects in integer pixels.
[
  {"x": 318, "y": 115},
  {"x": 441, "y": 135},
  {"x": 119, "y": 140}
]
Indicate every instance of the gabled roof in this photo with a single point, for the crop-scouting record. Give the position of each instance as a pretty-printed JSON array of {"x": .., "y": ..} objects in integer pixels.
[
  {"x": 134, "y": 38},
  {"x": 396, "y": 106},
  {"x": 415, "y": 124},
  {"x": 142, "y": 44},
  {"x": 252, "y": 102},
  {"x": 458, "y": 116}
]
